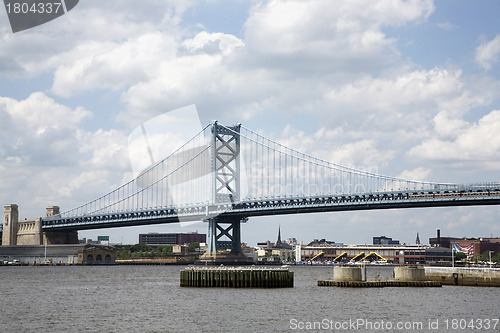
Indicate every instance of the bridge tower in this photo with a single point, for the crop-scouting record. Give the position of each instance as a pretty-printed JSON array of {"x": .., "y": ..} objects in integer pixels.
[
  {"x": 225, "y": 170},
  {"x": 10, "y": 221},
  {"x": 59, "y": 237}
]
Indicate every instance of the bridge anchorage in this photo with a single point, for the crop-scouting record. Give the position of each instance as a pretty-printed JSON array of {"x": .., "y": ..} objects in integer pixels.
[{"x": 227, "y": 174}]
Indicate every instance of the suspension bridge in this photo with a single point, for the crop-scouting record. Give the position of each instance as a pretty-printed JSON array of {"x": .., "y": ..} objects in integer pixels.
[{"x": 226, "y": 174}]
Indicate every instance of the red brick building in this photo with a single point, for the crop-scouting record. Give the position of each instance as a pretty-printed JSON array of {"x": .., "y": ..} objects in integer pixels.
[{"x": 172, "y": 239}]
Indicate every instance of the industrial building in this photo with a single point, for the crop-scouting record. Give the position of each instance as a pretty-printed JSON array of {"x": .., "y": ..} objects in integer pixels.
[
  {"x": 382, "y": 240},
  {"x": 473, "y": 246},
  {"x": 391, "y": 254},
  {"x": 57, "y": 254},
  {"x": 172, "y": 239}
]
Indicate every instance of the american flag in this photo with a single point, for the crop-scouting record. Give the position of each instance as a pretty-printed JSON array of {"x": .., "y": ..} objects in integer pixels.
[{"x": 468, "y": 249}]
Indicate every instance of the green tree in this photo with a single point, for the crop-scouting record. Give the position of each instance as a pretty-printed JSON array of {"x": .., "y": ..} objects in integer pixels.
[
  {"x": 193, "y": 247},
  {"x": 140, "y": 247},
  {"x": 460, "y": 256}
]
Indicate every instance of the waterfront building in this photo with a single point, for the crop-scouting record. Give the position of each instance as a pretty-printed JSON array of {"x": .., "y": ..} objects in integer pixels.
[
  {"x": 382, "y": 240},
  {"x": 61, "y": 254},
  {"x": 321, "y": 242},
  {"x": 282, "y": 250},
  {"x": 475, "y": 246},
  {"x": 172, "y": 238},
  {"x": 392, "y": 254}
]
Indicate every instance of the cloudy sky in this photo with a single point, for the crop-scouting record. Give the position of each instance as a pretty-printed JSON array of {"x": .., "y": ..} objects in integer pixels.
[{"x": 407, "y": 88}]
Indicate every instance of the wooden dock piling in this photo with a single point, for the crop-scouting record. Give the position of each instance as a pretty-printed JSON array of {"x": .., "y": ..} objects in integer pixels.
[{"x": 236, "y": 277}]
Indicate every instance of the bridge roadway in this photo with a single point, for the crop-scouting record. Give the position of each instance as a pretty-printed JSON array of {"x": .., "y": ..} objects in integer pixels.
[{"x": 278, "y": 206}]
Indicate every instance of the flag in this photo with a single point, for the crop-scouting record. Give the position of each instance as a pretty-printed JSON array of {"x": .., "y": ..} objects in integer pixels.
[{"x": 468, "y": 249}]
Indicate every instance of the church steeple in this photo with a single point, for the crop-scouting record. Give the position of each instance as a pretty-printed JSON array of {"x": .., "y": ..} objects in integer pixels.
[
  {"x": 278, "y": 242},
  {"x": 417, "y": 241}
]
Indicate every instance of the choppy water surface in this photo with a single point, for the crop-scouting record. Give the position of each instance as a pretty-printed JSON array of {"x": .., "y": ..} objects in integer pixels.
[{"x": 149, "y": 299}]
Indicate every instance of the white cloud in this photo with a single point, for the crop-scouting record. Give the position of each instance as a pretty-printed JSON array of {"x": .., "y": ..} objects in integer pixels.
[
  {"x": 48, "y": 158},
  {"x": 325, "y": 68},
  {"x": 214, "y": 43},
  {"x": 390, "y": 94},
  {"x": 420, "y": 174},
  {"x": 92, "y": 29},
  {"x": 487, "y": 53},
  {"x": 199, "y": 74},
  {"x": 159, "y": 71},
  {"x": 478, "y": 142},
  {"x": 446, "y": 26},
  {"x": 39, "y": 130},
  {"x": 361, "y": 154},
  {"x": 322, "y": 34},
  {"x": 399, "y": 104},
  {"x": 111, "y": 65}
]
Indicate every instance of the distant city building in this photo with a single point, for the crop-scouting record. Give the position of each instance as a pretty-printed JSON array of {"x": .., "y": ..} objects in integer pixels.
[
  {"x": 395, "y": 254},
  {"x": 319, "y": 242},
  {"x": 382, "y": 240},
  {"x": 172, "y": 239},
  {"x": 67, "y": 254},
  {"x": 88, "y": 241},
  {"x": 281, "y": 251},
  {"x": 475, "y": 246},
  {"x": 278, "y": 245}
]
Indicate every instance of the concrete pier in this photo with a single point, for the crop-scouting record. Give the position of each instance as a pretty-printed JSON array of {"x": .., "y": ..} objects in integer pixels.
[
  {"x": 236, "y": 277},
  {"x": 409, "y": 273},
  {"x": 347, "y": 273},
  {"x": 378, "y": 284},
  {"x": 404, "y": 276},
  {"x": 464, "y": 276}
]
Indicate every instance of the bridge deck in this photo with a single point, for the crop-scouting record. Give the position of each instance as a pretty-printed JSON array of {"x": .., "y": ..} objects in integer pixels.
[{"x": 276, "y": 206}]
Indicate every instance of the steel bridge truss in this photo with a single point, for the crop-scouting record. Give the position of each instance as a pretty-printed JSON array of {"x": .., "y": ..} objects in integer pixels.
[
  {"x": 225, "y": 163},
  {"x": 226, "y": 174}
]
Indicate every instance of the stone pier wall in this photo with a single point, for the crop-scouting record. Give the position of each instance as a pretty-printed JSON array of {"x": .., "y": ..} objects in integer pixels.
[
  {"x": 464, "y": 276},
  {"x": 29, "y": 232}
]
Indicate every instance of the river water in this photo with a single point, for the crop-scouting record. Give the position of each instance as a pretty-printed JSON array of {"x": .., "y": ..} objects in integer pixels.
[{"x": 149, "y": 299}]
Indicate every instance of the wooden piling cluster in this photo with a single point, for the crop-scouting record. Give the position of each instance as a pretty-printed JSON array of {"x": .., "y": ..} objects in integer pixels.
[
  {"x": 236, "y": 277},
  {"x": 378, "y": 284}
]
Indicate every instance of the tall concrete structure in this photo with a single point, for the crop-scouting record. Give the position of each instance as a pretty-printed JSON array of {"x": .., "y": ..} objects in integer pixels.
[
  {"x": 10, "y": 219},
  {"x": 59, "y": 237},
  {"x": 29, "y": 232}
]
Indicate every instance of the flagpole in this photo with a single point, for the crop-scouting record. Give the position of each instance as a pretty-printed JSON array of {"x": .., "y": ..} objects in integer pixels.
[{"x": 452, "y": 255}]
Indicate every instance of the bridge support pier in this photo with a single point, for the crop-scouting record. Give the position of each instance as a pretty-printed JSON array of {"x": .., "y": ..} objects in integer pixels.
[
  {"x": 224, "y": 233},
  {"x": 60, "y": 237},
  {"x": 29, "y": 232}
]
